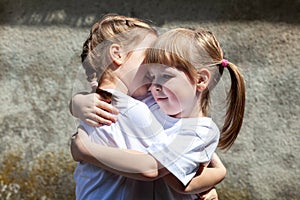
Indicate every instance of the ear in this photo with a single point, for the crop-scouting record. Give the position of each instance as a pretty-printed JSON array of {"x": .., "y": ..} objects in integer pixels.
[
  {"x": 115, "y": 52},
  {"x": 203, "y": 79}
]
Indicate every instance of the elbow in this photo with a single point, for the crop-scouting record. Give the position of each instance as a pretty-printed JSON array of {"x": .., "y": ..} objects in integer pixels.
[
  {"x": 150, "y": 171},
  {"x": 151, "y": 175},
  {"x": 147, "y": 176},
  {"x": 76, "y": 150},
  {"x": 77, "y": 156},
  {"x": 194, "y": 189},
  {"x": 188, "y": 189}
]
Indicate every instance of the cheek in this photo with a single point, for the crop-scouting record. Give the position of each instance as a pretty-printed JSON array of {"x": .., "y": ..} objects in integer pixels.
[
  {"x": 173, "y": 94},
  {"x": 181, "y": 95},
  {"x": 181, "y": 89}
]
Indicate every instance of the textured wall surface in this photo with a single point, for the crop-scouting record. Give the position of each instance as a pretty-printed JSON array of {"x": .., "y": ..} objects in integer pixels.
[{"x": 39, "y": 59}]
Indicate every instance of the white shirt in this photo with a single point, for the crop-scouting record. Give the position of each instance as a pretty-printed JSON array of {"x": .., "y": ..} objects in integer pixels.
[
  {"x": 190, "y": 141},
  {"x": 138, "y": 129}
]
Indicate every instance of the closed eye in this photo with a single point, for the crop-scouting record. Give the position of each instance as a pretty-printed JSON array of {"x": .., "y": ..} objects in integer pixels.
[{"x": 167, "y": 76}]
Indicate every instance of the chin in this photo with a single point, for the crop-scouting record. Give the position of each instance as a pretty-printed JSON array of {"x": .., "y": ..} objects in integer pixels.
[{"x": 172, "y": 114}]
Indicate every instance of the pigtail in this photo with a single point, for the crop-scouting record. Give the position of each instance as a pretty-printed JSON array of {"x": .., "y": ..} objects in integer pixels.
[
  {"x": 205, "y": 102},
  {"x": 235, "y": 108}
]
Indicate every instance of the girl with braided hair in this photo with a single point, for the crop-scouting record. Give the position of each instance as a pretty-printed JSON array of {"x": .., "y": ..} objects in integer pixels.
[
  {"x": 110, "y": 29},
  {"x": 113, "y": 54}
]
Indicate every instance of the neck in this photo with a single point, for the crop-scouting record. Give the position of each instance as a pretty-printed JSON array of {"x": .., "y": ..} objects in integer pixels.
[{"x": 196, "y": 110}]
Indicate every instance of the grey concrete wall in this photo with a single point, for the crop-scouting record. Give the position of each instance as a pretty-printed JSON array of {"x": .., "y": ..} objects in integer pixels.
[{"x": 39, "y": 59}]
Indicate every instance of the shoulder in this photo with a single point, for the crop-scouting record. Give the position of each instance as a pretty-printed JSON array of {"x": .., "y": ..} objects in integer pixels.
[
  {"x": 212, "y": 132},
  {"x": 203, "y": 127},
  {"x": 86, "y": 127}
]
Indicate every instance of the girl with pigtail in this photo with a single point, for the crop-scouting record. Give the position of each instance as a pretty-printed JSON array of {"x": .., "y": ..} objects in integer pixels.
[
  {"x": 216, "y": 64},
  {"x": 114, "y": 52}
]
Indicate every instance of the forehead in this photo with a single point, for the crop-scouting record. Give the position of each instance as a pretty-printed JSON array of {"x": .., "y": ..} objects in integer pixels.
[{"x": 159, "y": 68}]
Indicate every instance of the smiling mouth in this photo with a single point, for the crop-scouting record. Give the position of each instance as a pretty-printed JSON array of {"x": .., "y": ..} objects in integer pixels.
[{"x": 161, "y": 98}]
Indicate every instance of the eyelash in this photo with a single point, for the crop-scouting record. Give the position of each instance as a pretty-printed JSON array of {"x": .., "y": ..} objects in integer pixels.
[
  {"x": 166, "y": 76},
  {"x": 162, "y": 77}
]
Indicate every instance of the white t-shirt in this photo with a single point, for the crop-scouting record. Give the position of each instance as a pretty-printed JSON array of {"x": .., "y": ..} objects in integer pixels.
[
  {"x": 137, "y": 129},
  {"x": 190, "y": 141}
]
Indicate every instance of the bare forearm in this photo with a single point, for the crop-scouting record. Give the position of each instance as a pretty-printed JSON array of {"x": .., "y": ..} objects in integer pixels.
[
  {"x": 203, "y": 182},
  {"x": 206, "y": 178},
  {"x": 82, "y": 154},
  {"x": 124, "y": 162}
]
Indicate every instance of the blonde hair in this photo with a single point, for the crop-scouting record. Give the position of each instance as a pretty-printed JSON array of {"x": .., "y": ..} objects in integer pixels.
[
  {"x": 189, "y": 50},
  {"x": 128, "y": 32}
]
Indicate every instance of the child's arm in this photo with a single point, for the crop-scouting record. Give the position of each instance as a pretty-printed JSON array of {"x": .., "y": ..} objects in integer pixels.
[
  {"x": 90, "y": 108},
  {"x": 140, "y": 166},
  {"x": 204, "y": 180},
  {"x": 211, "y": 194},
  {"x": 125, "y": 162}
]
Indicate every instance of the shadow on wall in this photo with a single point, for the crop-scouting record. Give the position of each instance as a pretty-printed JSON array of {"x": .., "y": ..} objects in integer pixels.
[{"x": 80, "y": 13}]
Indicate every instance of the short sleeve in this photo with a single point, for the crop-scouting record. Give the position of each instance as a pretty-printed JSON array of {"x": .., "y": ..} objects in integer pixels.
[
  {"x": 88, "y": 129},
  {"x": 185, "y": 150}
]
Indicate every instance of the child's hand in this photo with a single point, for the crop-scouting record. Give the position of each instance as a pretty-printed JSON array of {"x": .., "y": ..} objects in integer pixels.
[
  {"x": 209, "y": 195},
  {"x": 91, "y": 109}
]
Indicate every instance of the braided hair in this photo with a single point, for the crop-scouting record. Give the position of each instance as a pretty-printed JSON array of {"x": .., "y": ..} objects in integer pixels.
[{"x": 110, "y": 29}]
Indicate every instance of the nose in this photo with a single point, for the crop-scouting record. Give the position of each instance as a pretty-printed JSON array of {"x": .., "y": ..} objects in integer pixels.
[{"x": 156, "y": 87}]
